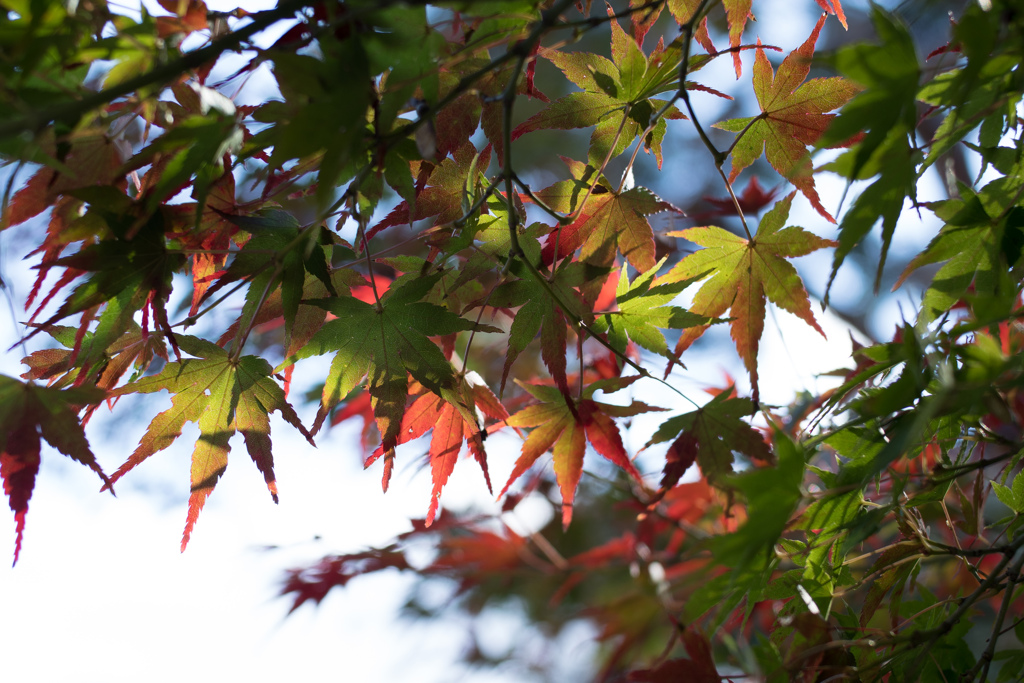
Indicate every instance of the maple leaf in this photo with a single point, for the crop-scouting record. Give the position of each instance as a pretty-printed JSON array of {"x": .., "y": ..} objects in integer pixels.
[
  {"x": 609, "y": 222},
  {"x": 314, "y": 583},
  {"x": 538, "y": 313},
  {"x": 792, "y": 117},
  {"x": 643, "y": 19},
  {"x": 358, "y": 405},
  {"x": 276, "y": 259},
  {"x": 564, "y": 427},
  {"x": 92, "y": 160},
  {"x": 834, "y": 7},
  {"x": 191, "y": 16},
  {"x": 682, "y": 11},
  {"x": 458, "y": 121},
  {"x": 699, "y": 668},
  {"x": 616, "y": 96},
  {"x": 643, "y": 310},
  {"x": 134, "y": 348},
  {"x": 753, "y": 199},
  {"x": 973, "y": 245},
  {"x": 444, "y": 193},
  {"x": 28, "y": 413},
  {"x": 476, "y": 554},
  {"x": 714, "y": 431},
  {"x": 386, "y": 343},
  {"x": 210, "y": 236},
  {"x": 736, "y": 14},
  {"x": 222, "y": 396},
  {"x": 129, "y": 275},
  {"x": 450, "y": 429},
  {"x": 746, "y": 273}
]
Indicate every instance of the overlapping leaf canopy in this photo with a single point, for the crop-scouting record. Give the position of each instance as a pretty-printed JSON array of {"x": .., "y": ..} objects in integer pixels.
[{"x": 376, "y": 214}]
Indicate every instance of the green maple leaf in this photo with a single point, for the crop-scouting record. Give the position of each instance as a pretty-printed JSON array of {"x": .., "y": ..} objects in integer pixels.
[
  {"x": 564, "y": 428},
  {"x": 644, "y": 311},
  {"x": 610, "y": 221},
  {"x": 276, "y": 260},
  {"x": 883, "y": 199},
  {"x": 744, "y": 275},
  {"x": 772, "y": 494},
  {"x": 716, "y": 431},
  {"x": 222, "y": 396},
  {"x": 538, "y": 313},
  {"x": 1012, "y": 498},
  {"x": 29, "y": 413},
  {"x": 443, "y": 196},
  {"x": 792, "y": 117},
  {"x": 980, "y": 241},
  {"x": 385, "y": 343},
  {"x": 626, "y": 83}
]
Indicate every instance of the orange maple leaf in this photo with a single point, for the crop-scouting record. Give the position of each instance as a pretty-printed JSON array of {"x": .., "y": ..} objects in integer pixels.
[
  {"x": 792, "y": 117},
  {"x": 564, "y": 428}
]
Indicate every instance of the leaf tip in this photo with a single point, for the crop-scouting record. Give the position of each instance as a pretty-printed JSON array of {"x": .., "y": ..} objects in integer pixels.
[{"x": 389, "y": 464}]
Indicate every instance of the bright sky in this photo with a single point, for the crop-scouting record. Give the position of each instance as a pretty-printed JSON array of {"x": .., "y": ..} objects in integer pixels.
[{"x": 101, "y": 592}]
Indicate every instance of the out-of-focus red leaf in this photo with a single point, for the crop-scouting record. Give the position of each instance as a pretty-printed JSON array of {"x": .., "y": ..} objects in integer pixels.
[
  {"x": 699, "y": 668},
  {"x": 358, "y": 406},
  {"x": 753, "y": 199},
  {"x": 621, "y": 549},
  {"x": 314, "y": 583},
  {"x": 481, "y": 552}
]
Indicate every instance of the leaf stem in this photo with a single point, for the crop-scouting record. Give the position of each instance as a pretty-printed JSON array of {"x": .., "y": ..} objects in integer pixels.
[
  {"x": 718, "y": 156},
  {"x": 1012, "y": 577},
  {"x": 564, "y": 220}
]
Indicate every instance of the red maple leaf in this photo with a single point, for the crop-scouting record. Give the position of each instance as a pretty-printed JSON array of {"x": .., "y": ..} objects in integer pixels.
[
  {"x": 28, "y": 415},
  {"x": 699, "y": 668},
  {"x": 450, "y": 428},
  {"x": 753, "y": 199},
  {"x": 610, "y": 222}
]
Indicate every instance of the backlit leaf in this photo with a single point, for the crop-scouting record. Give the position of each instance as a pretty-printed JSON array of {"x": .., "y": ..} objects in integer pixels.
[
  {"x": 223, "y": 396},
  {"x": 385, "y": 343},
  {"x": 717, "y": 432},
  {"x": 745, "y": 275},
  {"x": 564, "y": 428},
  {"x": 793, "y": 116},
  {"x": 645, "y": 311},
  {"x": 450, "y": 429},
  {"x": 609, "y": 223}
]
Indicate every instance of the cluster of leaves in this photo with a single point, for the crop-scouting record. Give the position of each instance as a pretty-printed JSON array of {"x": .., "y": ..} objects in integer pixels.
[{"x": 850, "y": 536}]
